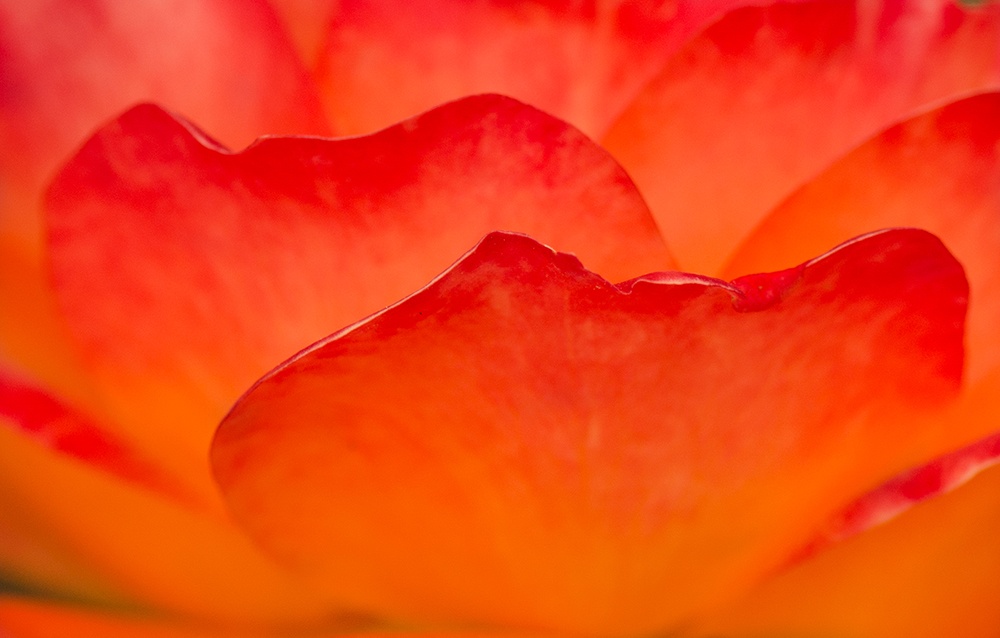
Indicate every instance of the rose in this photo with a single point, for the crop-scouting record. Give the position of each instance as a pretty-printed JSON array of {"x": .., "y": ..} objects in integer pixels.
[{"x": 239, "y": 592}]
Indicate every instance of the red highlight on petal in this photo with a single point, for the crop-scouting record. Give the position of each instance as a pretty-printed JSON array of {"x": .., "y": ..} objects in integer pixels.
[{"x": 207, "y": 268}]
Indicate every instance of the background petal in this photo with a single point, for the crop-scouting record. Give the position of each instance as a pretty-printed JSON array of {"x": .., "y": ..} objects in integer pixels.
[
  {"x": 939, "y": 171},
  {"x": 206, "y": 268},
  {"x": 77, "y": 533},
  {"x": 582, "y": 61},
  {"x": 523, "y": 444},
  {"x": 68, "y": 65},
  {"x": 768, "y": 97}
]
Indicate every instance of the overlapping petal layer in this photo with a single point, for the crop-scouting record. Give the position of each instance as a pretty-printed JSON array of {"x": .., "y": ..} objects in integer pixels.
[
  {"x": 930, "y": 572},
  {"x": 68, "y": 65},
  {"x": 612, "y": 456},
  {"x": 207, "y": 268},
  {"x": 768, "y": 97},
  {"x": 939, "y": 171},
  {"x": 581, "y": 61},
  {"x": 76, "y": 531}
]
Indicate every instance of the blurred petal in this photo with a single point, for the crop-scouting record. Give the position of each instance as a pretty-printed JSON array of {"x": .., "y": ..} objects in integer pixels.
[
  {"x": 523, "y": 444},
  {"x": 21, "y": 618},
  {"x": 33, "y": 339},
  {"x": 927, "y": 573},
  {"x": 75, "y": 531},
  {"x": 62, "y": 429},
  {"x": 205, "y": 268},
  {"x": 939, "y": 171},
  {"x": 581, "y": 61},
  {"x": 307, "y": 22},
  {"x": 67, "y": 65},
  {"x": 766, "y": 98}
]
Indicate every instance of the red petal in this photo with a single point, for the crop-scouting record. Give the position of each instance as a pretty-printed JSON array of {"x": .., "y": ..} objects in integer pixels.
[
  {"x": 766, "y": 98},
  {"x": 523, "y": 444},
  {"x": 67, "y": 65},
  {"x": 939, "y": 171},
  {"x": 582, "y": 61},
  {"x": 204, "y": 269}
]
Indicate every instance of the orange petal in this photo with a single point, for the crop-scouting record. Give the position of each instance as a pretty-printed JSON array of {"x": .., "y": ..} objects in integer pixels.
[
  {"x": 204, "y": 269},
  {"x": 26, "y": 618},
  {"x": 62, "y": 429},
  {"x": 768, "y": 97},
  {"x": 67, "y": 65},
  {"x": 582, "y": 61},
  {"x": 74, "y": 531},
  {"x": 307, "y": 22},
  {"x": 21, "y": 618},
  {"x": 929, "y": 572},
  {"x": 939, "y": 171},
  {"x": 523, "y": 444}
]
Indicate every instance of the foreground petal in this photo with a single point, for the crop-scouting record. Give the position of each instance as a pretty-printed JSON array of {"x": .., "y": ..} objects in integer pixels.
[
  {"x": 523, "y": 444},
  {"x": 205, "y": 268},
  {"x": 583, "y": 62},
  {"x": 766, "y": 98},
  {"x": 939, "y": 171}
]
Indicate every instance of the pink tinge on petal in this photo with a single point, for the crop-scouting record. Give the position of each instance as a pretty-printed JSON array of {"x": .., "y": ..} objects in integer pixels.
[
  {"x": 768, "y": 97},
  {"x": 522, "y": 443},
  {"x": 581, "y": 61},
  {"x": 205, "y": 268},
  {"x": 59, "y": 427},
  {"x": 68, "y": 65}
]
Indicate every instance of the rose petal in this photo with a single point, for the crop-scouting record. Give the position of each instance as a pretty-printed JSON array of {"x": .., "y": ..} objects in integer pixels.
[
  {"x": 939, "y": 171},
  {"x": 37, "y": 619},
  {"x": 307, "y": 22},
  {"x": 523, "y": 444},
  {"x": 76, "y": 532},
  {"x": 766, "y": 98},
  {"x": 583, "y": 62},
  {"x": 928, "y": 572},
  {"x": 59, "y": 427},
  {"x": 67, "y": 65},
  {"x": 206, "y": 268}
]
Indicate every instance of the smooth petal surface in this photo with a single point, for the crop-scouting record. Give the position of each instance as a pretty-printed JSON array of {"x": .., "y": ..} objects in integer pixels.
[
  {"x": 35, "y": 619},
  {"x": 205, "y": 268},
  {"x": 68, "y": 65},
  {"x": 768, "y": 97},
  {"x": 75, "y": 532},
  {"x": 939, "y": 171},
  {"x": 61, "y": 428},
  {"x": 928, "y": 572},
  {"x": 581, "y": 61},
  {"x": 570, "y": 429}
]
